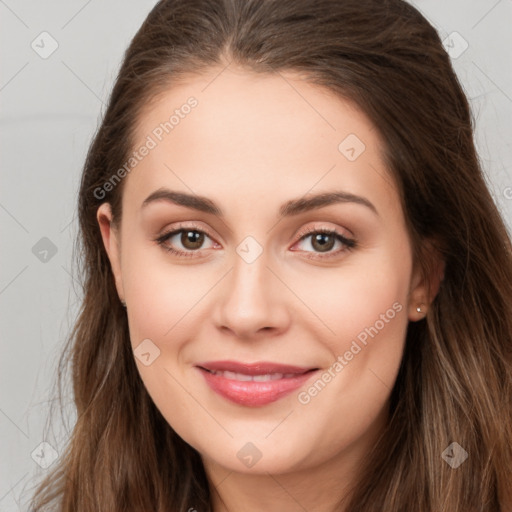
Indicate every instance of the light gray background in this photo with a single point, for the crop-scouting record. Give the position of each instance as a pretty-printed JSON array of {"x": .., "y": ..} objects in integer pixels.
[{"x": 50, "y": 108}]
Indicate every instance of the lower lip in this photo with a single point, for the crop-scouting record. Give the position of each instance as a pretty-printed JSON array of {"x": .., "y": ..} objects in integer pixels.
[{"x": 251, "y": 393}]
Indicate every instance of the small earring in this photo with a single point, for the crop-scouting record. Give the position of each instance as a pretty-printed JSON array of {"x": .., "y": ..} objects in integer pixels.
[
  {"x": 418, "y": 308},
  {"x": 123, "y": 303}
]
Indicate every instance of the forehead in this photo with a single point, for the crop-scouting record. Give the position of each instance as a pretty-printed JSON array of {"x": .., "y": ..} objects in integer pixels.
[{"x": 257, "y": 133}]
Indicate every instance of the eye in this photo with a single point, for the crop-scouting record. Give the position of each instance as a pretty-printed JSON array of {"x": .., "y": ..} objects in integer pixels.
[
  {"x": 191, "y": 239},
  {"x": 323, "y": 240}
]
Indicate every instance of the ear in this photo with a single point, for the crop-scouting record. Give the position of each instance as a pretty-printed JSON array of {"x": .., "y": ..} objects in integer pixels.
[
  {"x": 111, "y": 241},
  {"x": 425, "y": 282}
]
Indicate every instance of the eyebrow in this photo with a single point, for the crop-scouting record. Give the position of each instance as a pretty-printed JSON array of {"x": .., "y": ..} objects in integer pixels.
[{"x": 288, "y": 209}]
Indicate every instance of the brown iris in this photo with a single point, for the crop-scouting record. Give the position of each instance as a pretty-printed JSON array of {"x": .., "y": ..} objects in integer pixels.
[
  {"x": 194, "y": 238},
  {"x": 323, "y": 245}
]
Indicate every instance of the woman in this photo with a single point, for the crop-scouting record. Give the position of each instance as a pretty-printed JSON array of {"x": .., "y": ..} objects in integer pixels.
[{"x": 298, "y": 289}]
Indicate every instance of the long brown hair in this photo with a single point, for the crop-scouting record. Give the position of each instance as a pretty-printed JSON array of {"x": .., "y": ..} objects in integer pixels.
[{"x": 455, "y": 380}]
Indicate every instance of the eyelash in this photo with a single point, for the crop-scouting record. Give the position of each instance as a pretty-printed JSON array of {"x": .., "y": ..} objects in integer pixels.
[{"x": 348, "y": 243}]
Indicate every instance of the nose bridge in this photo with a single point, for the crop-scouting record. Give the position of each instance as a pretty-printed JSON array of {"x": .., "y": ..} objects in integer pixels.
[
  {"x": 250, "y": 278},
  {"x": 250, "y": 297}
]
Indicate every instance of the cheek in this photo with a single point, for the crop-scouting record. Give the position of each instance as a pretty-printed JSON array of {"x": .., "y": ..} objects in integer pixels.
[
  {"x": 161, "y": 323},
  {"x": 365, "y": 298},
  {"x": 164, "y": 294},
  {"x": 370, "y": 305},
  {"x": 365, "y": 307}
]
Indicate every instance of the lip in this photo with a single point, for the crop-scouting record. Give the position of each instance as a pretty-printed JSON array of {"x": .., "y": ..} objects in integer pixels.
[{"x": 276, "y": 380}]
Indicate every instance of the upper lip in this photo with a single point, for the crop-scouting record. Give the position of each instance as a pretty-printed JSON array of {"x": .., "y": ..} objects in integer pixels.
[{"x": 258, "y": 368}]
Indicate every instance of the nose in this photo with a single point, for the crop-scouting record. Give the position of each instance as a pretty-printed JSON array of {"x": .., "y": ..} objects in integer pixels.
[{"x": 252, "y": 301}]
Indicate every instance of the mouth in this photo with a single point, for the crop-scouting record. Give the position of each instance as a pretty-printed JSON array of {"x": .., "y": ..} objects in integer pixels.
[{"x": 253, "y": 384}]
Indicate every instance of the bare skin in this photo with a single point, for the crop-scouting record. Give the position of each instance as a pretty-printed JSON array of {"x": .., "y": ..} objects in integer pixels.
[{"x": 253, "y": 143}]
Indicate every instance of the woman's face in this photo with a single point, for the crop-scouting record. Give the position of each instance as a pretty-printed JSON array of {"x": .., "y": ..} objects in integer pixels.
[{"x": 267, "y": 345}]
